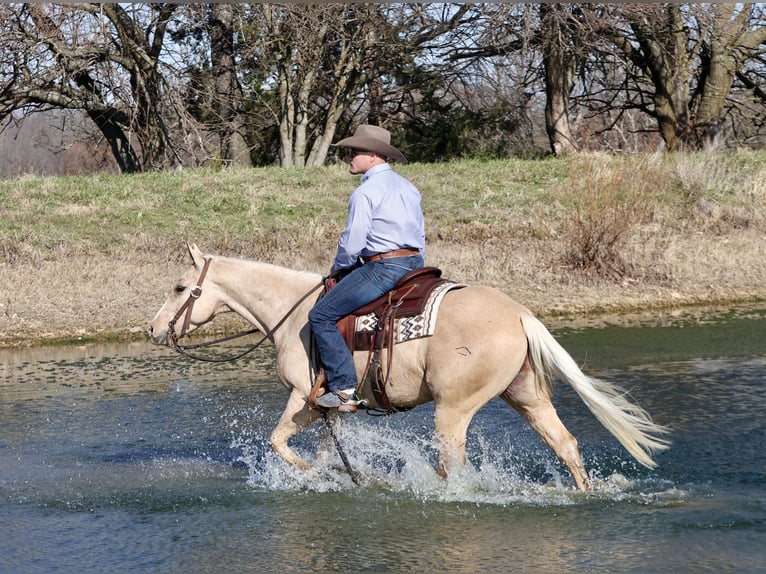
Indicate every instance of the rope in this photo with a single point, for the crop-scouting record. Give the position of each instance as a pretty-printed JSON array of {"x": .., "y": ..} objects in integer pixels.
[
  {"x": 184, "y": 349},
  {"x": 338, "y": 446}
]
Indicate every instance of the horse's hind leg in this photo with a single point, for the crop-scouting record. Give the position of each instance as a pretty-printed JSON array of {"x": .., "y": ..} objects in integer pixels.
[
  {"x": 451, "y": 427},
  {"x": 535, "y": 406}
]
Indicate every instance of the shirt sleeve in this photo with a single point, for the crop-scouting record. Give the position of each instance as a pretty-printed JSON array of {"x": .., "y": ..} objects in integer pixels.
[{"x": 354, "y": 237}]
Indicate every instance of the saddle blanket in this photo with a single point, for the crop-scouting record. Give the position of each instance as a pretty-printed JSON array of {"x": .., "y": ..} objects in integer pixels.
[{"x": 414, "y": 326}]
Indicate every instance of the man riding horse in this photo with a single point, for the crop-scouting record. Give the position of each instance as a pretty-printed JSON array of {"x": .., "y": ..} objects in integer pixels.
[{"x": 383, "y": 240}]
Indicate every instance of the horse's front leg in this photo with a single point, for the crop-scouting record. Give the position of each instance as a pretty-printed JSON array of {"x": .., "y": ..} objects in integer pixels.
[{"x": 295, "y": 418}]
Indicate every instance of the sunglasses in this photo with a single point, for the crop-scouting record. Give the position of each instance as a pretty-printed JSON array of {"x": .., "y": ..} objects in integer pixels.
[{"x": 352, "y": 153}]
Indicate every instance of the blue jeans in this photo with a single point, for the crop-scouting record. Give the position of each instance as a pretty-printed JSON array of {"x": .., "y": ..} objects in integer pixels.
[{"x": 363, "y": 285}]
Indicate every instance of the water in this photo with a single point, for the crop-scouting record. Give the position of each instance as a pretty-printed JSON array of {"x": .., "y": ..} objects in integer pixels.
[{"x": 128, "y": 458}]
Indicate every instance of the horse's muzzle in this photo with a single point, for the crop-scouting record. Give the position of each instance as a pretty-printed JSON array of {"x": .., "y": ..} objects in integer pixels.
[{"x": 157, "y": 338}]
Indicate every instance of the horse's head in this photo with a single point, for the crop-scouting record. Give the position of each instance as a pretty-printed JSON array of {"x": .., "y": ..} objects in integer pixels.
[{"x": 192, "y": 303}]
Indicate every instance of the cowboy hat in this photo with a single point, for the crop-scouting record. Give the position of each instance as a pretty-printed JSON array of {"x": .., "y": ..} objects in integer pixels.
[{"x": 375, "y": 139}]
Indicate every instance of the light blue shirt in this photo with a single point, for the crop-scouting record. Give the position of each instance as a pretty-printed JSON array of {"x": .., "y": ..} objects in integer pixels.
[{"x": 384, "y": 214}]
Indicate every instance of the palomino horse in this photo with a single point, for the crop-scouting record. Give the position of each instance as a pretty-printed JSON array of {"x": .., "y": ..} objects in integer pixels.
[{"x": 485, "y": 345}]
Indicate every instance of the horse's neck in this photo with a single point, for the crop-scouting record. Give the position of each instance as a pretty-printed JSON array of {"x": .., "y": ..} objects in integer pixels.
[{"x": 263, "y": 293}]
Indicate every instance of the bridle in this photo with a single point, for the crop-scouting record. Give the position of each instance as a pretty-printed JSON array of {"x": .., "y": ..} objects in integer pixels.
[{"x": 187, "y": 307}]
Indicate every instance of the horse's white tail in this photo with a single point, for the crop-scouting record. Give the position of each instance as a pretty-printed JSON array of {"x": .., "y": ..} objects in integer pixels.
[{"x": 628, "y": 422}]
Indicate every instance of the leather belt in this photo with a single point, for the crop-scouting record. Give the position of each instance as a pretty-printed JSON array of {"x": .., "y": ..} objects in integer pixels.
[{"x": 392, "y": 254}]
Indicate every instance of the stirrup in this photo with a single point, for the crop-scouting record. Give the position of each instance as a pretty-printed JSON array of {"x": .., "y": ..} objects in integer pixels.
[{"x": 317, "y": 389}]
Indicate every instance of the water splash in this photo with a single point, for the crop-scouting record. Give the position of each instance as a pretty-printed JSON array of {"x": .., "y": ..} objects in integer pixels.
[{"x": 389, "y": 459}]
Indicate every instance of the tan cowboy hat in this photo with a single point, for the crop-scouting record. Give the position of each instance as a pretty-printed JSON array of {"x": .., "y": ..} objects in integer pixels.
[{"x": 373, "y": 138}]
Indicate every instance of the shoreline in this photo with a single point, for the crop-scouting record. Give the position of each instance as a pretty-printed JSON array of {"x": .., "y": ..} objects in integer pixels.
[{"x": 569, "y": 306}]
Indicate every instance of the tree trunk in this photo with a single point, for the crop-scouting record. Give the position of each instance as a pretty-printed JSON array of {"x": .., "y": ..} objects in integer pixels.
[
  {"x": 558, "y": 62},
  {"x": 142, "y": 54},
  {"x": 228, "y": 93},
  {"x": 689, "y": 116},
  {"x": 557, "y": 105},
  {"x": 286, "y": 121},
  {"x": 123, "y": 152},
  {"x": 722, "y": 66}
]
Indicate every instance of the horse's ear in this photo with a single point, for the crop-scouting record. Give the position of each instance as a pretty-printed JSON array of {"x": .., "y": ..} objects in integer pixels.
[{"x": 195, "y": 253}]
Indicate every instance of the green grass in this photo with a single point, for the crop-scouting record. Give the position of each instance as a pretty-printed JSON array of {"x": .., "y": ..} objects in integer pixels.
[{"x": 463, "y": 201}]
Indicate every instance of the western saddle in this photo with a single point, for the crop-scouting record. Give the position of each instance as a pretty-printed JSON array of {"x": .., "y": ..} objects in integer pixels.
[{"x": 408, "y": 298}]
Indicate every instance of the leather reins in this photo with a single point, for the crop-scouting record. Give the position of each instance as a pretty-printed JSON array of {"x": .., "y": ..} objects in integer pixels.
[{"x": 187, "y": 307}]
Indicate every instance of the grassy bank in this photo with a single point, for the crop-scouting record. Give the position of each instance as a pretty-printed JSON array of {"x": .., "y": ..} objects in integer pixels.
[
  {"x": 250, "y": 212},
  {"x": 583, "y": 234}
]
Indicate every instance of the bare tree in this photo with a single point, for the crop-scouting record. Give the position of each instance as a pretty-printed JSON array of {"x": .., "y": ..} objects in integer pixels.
[
  {"x": 681, "y": 62},
  {"x": 459, "y": 80},
  {"x": 632, "y": 70},
  {"x": 525, "y": 54},
  {"x": 307, "y": 62},
  {"x": 321, "y": 66},
  {"x": 275, "y": 82},
  {"x": 103, "y": 59}
]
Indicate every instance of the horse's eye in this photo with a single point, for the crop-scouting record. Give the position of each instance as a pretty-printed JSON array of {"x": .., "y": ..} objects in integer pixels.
[{"x": 180, "y": 288}]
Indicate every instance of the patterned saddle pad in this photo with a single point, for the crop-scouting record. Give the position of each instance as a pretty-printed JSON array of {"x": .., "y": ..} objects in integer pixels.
[{"x": 407, "y": 312}]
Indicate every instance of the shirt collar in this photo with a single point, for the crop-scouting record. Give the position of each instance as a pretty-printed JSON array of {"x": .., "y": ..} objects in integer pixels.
[{"x": 375, "y": 169}]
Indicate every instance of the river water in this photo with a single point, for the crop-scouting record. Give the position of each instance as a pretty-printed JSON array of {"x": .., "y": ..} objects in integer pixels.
[{"x": 128, "y": 458}]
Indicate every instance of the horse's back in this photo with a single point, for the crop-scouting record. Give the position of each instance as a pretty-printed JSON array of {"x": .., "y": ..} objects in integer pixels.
[{"x": 480, "y": 305}]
